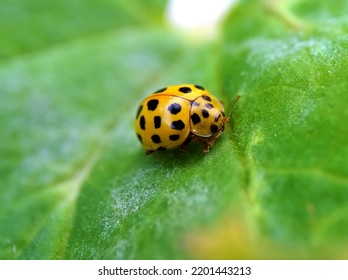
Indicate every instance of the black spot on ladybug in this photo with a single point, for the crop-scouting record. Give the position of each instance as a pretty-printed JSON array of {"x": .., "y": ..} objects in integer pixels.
[
  {"x": 214, "y": 128},
  {"x": 160, "y": 90},
  {"x": 209, "y": 105},
  {"x": 174, "y": 108},
  {"x": 174, "y": 137},
  {"x": 199, "y": 87},
  {"x": 139, "y": 110},
  {"x": 152, "y": 104},
  {"x": 161, "y": 148},
  {"x": 156, "y": 139},
  {"x": 185, "y": 90},
  {"x": 142, "y": 122},
  {"x": 205, "y": 113},
  {"x": 157, "y": 121},
  {"x": 217, "y": 118},
  {"x": 178, "y": 125},
  {"x": 195, "y": 118},
  {"x": 139, "y": 137},
  {"x": 205, "y": 97},
  {"x": 196, "y": 104}
]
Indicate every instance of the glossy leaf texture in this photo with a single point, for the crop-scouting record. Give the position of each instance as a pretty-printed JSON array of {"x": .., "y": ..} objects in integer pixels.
[{"x": 76, "y": 183}]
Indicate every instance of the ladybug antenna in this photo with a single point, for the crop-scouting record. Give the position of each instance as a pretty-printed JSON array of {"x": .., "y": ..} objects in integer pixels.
[{"x": 234, "y": 104}]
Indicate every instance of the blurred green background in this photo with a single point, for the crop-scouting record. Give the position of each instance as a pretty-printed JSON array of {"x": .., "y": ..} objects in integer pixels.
[{"x": 75, "y": 182}]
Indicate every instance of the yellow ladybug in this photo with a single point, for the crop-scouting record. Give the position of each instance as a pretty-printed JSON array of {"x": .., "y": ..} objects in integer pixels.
[{"x": 173, "y": 116}]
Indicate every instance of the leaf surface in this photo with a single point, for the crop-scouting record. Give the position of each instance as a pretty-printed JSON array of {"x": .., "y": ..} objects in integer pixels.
[{"x": 76, "y": 183}]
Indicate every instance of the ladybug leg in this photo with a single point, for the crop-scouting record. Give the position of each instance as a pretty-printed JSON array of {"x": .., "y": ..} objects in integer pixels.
[
  {"x": 206, "y": 148},
  {"x": 182, "y": 149},
  {"x": 149, "y": 152},
  {"x": 208, "y": 145},
  {"x": 183, "y": 146}
]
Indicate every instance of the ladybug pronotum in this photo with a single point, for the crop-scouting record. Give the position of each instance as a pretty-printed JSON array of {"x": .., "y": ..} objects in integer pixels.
[{"x": 173, "y": 116}]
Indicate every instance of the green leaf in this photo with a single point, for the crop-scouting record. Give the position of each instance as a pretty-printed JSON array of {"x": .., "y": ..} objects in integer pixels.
[
  {"x": 289, "y": 64},
  {"x": 28, "y": 26},
  {"x": 76, "y": 183}
]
